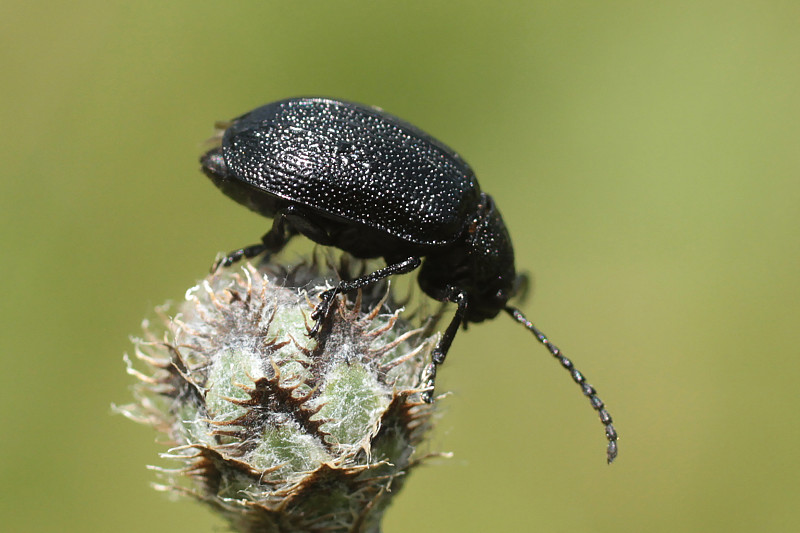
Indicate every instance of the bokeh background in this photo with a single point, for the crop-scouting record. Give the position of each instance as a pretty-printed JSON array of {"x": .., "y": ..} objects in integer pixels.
[{"x": 646, "y": 159}]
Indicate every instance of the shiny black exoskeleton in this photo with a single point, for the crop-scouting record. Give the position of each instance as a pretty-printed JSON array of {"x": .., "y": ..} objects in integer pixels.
[{"x": 359, "y": 179}]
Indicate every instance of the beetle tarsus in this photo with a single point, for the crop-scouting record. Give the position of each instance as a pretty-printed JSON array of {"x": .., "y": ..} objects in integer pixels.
[
  {"x": 458, "y": 297},
  {"x": 323, "y": 309},
  {"x": 428, "y": 383},
  {"x": 237, "y": 255}
]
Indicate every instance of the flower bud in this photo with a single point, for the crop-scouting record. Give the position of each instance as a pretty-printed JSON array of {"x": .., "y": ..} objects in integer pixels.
[{"x": 276, "y": 430}]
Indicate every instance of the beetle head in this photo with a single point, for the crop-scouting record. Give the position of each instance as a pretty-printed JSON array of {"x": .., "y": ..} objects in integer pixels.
[
  {"x": 481, "y": 263},
  {"x": 490, "y": 261}
]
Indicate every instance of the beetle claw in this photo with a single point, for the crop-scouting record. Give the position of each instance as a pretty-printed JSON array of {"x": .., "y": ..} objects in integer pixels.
[
  {"x": 221, "y": 263},
  {"x": 429, "y": 383},
  {"x": 321, "y": 311}
]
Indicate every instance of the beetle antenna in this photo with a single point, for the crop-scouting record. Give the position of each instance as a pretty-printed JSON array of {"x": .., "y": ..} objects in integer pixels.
[{"x": 578, "y": 377}]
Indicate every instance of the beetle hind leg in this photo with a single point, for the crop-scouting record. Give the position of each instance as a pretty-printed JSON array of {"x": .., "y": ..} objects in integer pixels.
[
  {"x": 235, "y": 256},
  {"x": 273, "y": 241}
]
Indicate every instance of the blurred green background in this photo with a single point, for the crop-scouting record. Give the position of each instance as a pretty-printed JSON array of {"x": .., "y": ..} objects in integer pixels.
[{"x": 646, "y": 159}]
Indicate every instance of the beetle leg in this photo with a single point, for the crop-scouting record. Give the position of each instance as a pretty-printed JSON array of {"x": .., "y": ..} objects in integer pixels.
[
  {"x": 458, "y": 297},
  {"x": 237, "y": 255},
  {"x": 273, "y": 241},
  {"x": 324, "y": 307}
]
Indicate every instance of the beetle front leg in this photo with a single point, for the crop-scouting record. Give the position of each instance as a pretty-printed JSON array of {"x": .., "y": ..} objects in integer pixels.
[
  {"x": 322, "y": 309},
  {"x": 458, "y": 297}
]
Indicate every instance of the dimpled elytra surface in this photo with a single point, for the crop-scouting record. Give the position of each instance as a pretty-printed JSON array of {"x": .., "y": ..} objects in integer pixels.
[{"x": 356, "y": 162}]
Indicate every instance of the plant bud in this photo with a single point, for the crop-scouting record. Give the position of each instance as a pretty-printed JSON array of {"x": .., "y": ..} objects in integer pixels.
[{"x": 278, "y": 431}]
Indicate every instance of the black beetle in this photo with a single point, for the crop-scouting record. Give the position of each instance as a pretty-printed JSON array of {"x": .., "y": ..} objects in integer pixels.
[{"x": 362, "y": 180}]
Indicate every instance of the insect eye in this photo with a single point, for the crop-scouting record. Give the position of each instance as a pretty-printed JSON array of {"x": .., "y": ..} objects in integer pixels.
[{"x": 501, "y": 297}]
